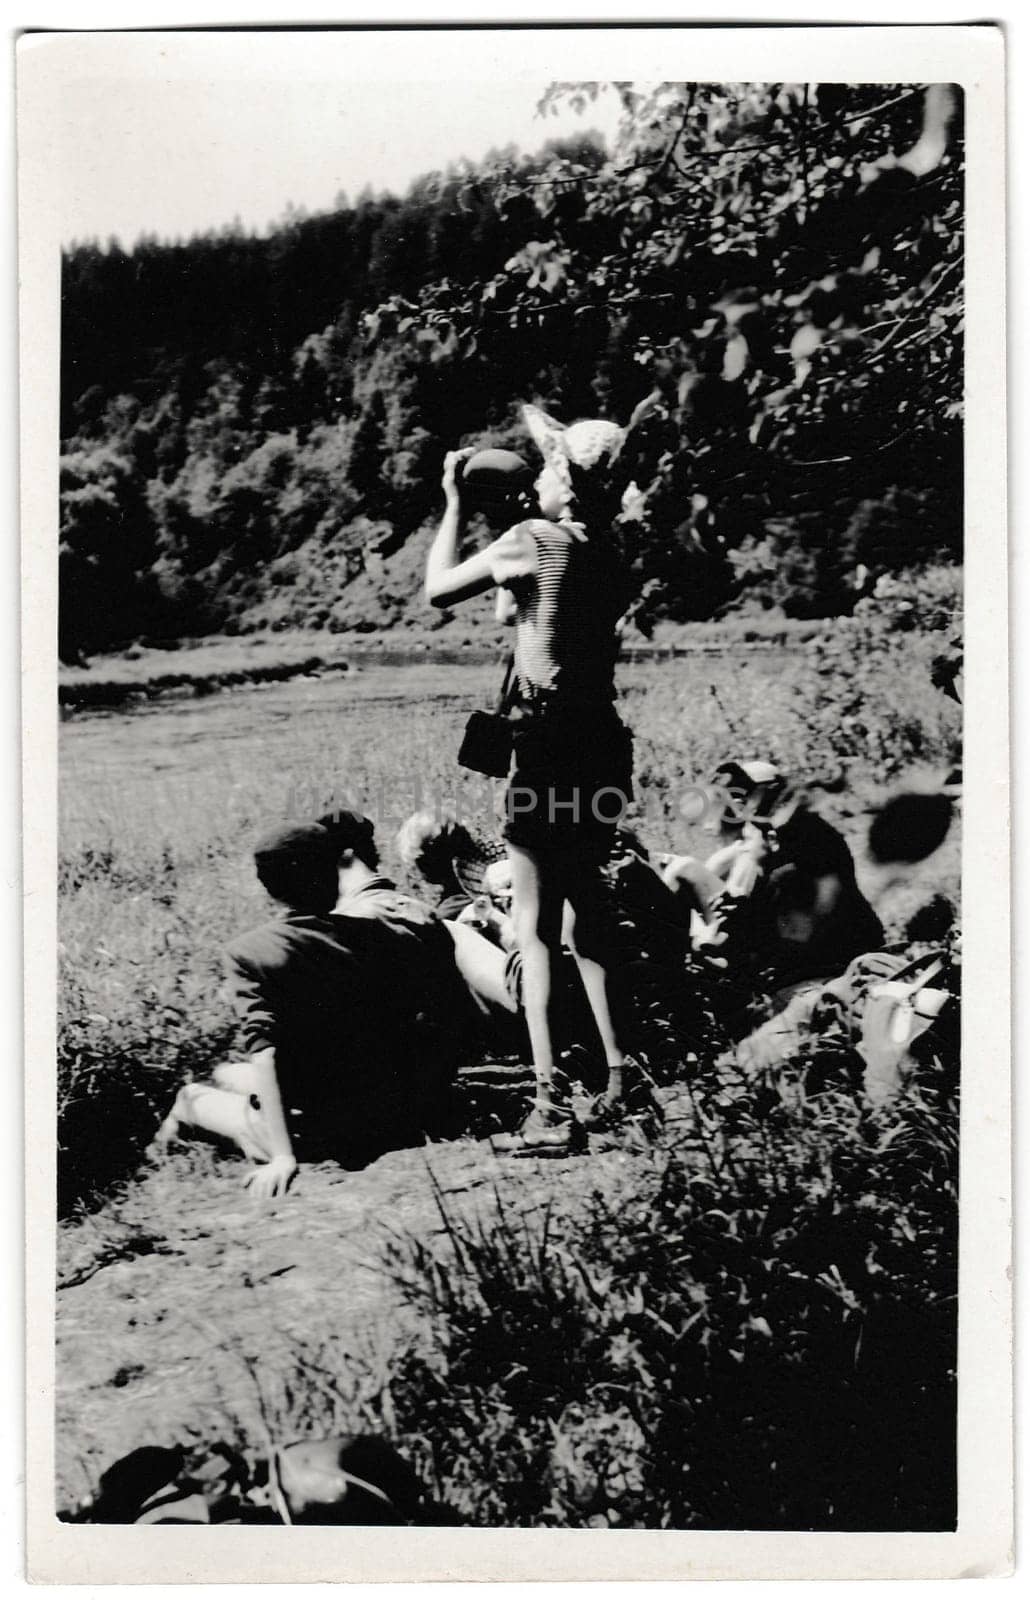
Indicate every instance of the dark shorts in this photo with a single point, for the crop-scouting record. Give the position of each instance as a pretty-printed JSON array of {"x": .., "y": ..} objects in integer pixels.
[{"x": 571, "y": 781}]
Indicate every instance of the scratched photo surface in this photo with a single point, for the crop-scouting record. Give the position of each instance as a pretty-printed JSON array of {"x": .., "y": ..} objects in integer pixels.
[{"x": 566, "y": 1136}]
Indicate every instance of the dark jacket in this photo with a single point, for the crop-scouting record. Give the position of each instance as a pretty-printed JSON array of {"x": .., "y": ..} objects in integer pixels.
[{"x": 323, "y": 992}]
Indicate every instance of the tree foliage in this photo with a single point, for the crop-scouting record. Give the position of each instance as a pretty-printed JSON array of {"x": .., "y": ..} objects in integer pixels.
[{"x": 782, "y": 263}]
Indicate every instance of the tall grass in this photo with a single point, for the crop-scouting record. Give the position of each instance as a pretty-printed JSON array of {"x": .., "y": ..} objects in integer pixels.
[{"x": 756, "y": 1331}]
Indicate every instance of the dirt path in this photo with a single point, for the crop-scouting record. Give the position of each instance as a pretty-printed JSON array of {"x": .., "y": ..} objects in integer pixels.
[{"x": 168, "y": 1295}]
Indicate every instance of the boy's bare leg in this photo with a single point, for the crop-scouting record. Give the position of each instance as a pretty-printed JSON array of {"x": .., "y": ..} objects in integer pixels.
[
  {"x": 209, "y": 1109},
  {"x": 594, "y": 978},
  {"x": 239, "y": 1076},
  {"x": 537, "y": 906}
]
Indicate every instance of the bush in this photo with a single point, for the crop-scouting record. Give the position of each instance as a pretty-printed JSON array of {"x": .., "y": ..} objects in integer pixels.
[{"x": 757, "y": 1331}]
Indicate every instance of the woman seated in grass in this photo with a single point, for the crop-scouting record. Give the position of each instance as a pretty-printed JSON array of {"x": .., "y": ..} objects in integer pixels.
[
  {"x": 571, "y": 775},
  {"x": 782, "y": 884}
]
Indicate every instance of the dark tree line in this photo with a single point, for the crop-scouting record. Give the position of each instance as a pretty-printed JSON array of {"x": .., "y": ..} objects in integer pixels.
[{"x": 246, "y": 420}]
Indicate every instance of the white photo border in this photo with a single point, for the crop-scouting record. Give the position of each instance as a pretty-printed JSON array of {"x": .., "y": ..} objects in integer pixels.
[{"x": 972, "y": 57}]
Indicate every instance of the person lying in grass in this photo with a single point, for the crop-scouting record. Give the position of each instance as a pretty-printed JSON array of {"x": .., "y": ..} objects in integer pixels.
[
  {"x": 329, "y": 1025},
  {"x": 465, "y": 873},
  {"x": 451, "y": 959}
]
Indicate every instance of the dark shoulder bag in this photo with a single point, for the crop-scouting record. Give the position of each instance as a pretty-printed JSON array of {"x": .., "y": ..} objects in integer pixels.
[{"x": 486, "y": 746}]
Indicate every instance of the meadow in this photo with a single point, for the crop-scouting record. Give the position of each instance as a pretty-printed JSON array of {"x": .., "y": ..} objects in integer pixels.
[{"x": 553, "y": 1372}]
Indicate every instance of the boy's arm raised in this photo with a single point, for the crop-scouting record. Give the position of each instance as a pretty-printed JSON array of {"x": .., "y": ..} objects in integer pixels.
[{"x": 448, "y": 578}]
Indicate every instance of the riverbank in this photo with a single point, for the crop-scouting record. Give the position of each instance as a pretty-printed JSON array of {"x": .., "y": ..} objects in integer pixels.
[{"x": 195, "y": 668}]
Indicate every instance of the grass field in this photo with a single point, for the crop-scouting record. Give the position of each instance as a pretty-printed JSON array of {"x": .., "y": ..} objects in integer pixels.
[{"x": 158, "y": 810}]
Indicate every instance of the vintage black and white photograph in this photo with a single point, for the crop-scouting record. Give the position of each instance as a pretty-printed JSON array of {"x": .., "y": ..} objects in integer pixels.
[{"x": 509, "y": 654}]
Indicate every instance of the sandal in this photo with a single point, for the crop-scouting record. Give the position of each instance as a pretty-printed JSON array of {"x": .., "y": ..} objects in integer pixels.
[
  {"x": 636, "y": 1104},
  {"x": 539, "y": 1138}
]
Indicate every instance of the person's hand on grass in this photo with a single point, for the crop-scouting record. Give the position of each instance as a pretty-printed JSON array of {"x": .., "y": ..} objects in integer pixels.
[{"x": 273, "y": 1179}]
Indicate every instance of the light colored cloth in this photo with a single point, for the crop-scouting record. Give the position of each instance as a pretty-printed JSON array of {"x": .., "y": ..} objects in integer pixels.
[
  {"x": 783, "y": 1035},
  {"x": 896, "y": 1014},
  {"x": 380, "y": 898},
  {"x": 887, "y": 1004}
]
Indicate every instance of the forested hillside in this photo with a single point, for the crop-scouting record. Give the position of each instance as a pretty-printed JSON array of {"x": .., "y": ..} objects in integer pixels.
[{"x": 250, "y": 424}]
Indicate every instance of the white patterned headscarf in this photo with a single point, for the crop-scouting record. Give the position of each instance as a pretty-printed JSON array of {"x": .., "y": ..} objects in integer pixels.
[{"x": 585, "y": 444}]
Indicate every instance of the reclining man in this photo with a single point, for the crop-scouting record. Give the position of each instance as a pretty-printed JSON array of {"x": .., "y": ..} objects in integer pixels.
[{"x": 330, "y": 1024}]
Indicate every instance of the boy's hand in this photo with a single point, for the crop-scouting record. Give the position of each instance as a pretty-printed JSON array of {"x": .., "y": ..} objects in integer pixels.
[
  {"x": 273, "y": 1179},
  {"x": 754, "y": 842},
  {"x": 479, "y": 913},
  {"x": 453, "y": 461}
]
